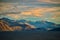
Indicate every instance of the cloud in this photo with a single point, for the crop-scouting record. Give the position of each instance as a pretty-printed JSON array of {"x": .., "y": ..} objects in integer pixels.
[
  {"x": 33, "y": 12},
  {"x": 12, "y": 7},
  {"x": 29, "y": 1},
  {"x": 50, "y": 1},
  {"x": 38, "y": 12},
  {"x": 14, "y": 16},
  {"x": 56, "y": 15},
  {"x": 25, "y": 12}
]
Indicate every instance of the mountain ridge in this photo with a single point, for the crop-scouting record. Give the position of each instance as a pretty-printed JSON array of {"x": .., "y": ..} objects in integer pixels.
[
  {"x": 12, "y": 25},
  {"x": 4, "y": 25}
]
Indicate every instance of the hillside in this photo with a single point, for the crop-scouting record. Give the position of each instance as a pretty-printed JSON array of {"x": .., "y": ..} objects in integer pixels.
[{"x": 6, "y": 26}]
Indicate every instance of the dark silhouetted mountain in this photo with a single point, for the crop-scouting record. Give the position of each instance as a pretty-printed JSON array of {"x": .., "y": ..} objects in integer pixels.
[
  {"x": 55, "y": 29},
  {"x": 58, "y": 25}
]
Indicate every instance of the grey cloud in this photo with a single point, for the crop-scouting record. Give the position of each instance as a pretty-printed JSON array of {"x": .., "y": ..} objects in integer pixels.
[
  {"x": 55, "y": 0},
  {"x": 9, "y": 13}
]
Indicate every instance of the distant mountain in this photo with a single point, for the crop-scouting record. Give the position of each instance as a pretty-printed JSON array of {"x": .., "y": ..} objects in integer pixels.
[
  {"x": 43, "y": 24},
  {"x": 27, "y": 25},
  {"x": 10, "y": 25}
]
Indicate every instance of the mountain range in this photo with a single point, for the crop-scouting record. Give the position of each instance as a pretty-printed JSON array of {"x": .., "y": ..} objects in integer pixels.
[{"x": 18, "y": 25}]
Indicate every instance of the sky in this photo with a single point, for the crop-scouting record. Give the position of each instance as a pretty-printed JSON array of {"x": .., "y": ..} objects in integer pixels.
[{"x": 31, "y": 10}]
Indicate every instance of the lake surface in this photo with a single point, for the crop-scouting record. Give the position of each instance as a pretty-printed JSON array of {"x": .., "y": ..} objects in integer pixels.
[{"x": 30, "y": 35}]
